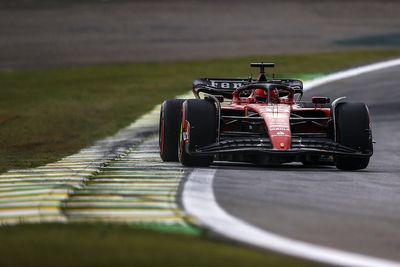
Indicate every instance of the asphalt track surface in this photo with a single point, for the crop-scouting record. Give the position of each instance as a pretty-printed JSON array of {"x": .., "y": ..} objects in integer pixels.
[
  {"x": 54, "y": 33},
  {"x": 352, "y": 211}
]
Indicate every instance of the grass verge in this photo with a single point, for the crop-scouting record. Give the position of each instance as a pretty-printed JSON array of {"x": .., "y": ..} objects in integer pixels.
[
  {"x": 121, "y": 245},
  {"x": 48, "y": 114}
]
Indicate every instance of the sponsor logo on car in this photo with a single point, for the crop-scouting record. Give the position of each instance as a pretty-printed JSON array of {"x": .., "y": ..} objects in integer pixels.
[{"x": 226, "y": 84}]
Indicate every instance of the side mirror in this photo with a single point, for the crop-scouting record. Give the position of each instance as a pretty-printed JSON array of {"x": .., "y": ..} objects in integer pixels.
[{"x": 320, "y": 100}]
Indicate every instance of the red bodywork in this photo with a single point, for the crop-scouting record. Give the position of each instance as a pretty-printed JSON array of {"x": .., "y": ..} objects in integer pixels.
[
  {"x": 264, "y": 122},
  {"x": 277, "y": 117},
  {"x": 269, "y": 127}
]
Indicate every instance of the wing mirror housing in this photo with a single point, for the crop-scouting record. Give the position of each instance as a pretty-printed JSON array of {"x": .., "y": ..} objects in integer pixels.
[{"x": 320, "y": 100}]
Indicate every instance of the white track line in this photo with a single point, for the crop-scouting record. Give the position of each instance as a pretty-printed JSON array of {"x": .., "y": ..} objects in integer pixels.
[
  {"x": 351, "y": 73},
  {"x": 199, "y": 201}
]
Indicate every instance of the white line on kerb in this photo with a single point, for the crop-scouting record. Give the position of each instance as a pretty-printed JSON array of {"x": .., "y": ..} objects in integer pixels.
[{"x": 199, "y": 201}]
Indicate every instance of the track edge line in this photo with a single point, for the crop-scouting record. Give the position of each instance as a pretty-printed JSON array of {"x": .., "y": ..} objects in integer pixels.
[{"x": 199, "y": 202}]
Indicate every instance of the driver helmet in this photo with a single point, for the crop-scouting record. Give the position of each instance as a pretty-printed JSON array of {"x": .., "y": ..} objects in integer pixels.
[{"x": 261, "y": 95}]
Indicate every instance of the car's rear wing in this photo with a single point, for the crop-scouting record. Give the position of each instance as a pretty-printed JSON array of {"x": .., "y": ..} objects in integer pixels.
[
  {"x": 226, "y": 86},
  {"x": 219, "y": 86}
]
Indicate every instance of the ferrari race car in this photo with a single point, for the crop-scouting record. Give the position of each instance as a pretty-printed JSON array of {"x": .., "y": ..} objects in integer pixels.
[{"x": 263, "y": 122}]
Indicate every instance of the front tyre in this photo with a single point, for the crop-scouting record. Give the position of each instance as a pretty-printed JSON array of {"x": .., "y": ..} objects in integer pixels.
[
  {"x": 168, "y": 134},
  {"x": 353, "y": 130},
  {"x": 198, "y": 128}
]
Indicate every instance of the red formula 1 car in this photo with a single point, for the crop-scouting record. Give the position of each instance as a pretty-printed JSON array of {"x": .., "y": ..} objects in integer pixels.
[{"x": 263, "y": 122}]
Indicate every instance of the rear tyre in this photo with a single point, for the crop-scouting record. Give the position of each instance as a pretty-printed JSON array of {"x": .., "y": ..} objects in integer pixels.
[
  {"x": 353, "y": 130},
  {"x": 168, "y": 134},
  {"x": 198, "y": 123}
]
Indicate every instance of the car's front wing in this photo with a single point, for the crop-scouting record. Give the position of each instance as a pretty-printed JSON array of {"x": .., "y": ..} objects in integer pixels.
[{"x": 299, "y": 146}]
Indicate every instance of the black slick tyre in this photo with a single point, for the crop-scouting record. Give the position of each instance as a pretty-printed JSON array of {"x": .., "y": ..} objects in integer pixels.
[
  {"x": 353, "y": 130},
  {"x": 168, "y": 134},
  {"x": 200, "y": 119}
]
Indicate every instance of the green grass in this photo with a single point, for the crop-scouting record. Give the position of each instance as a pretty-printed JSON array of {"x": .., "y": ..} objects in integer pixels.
[
  {"x": 121, "y": 245},
  {"x": 48, "y": 114}
]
